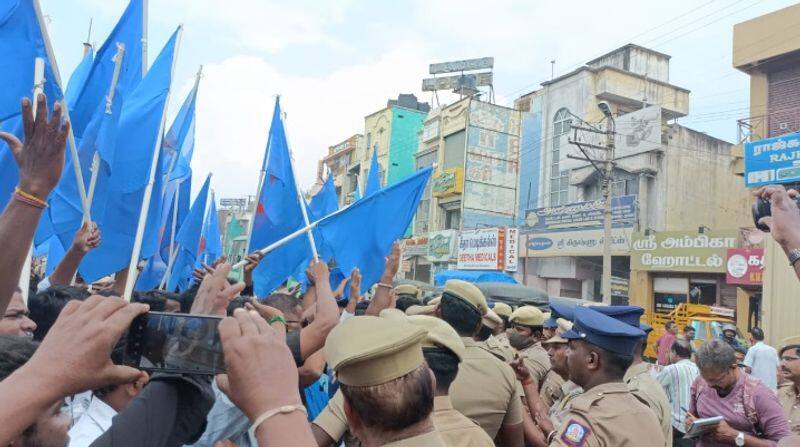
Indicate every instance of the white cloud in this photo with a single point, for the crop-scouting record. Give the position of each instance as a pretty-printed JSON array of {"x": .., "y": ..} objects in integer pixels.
[{"x": 235, "y": 104}]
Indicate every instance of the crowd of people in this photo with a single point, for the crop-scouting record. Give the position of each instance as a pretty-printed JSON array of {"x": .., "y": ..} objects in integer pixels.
[{"x": 325, "y": 366}]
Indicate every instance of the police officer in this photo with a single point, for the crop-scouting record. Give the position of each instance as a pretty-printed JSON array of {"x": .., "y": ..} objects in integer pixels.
[
  {"x": 525, "y": 336},
  {"x": 387, "y": 389},
  {"x": 638, "y": 377},
  {"x": 600, "y": 352},
  {"x": 486, "y": 389},
  {"x": 789, "y": 392},
  {"x": 492, "y": 325},
  {"x": 556, "y": 348},
  {"x": 503, "y": 311},
  {"x": 407, "y": 295}
]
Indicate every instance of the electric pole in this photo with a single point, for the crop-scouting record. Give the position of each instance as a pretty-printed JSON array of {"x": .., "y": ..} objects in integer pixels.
[{"x": 607, "y": 179}]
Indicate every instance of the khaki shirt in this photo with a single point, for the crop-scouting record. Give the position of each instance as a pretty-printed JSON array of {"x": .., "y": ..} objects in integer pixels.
[
  {"x": 609, "y": 415},
  {"x": 537, "y": 361},
  {"x": 551, "y": 388},
  {"x": 454, "y": 428},
  {"x": 333, "y": 421},
  {"x": 647, "y": 389},
  {"x": 498, "y": 348},
  {"x": 428, "y": 439},
  {"x": 561, "y": 407},
  {"x": 790, "y": 401},
  {"x": 486, "y": 390}
]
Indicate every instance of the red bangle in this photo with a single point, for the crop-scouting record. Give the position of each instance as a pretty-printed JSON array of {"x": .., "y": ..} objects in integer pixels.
[{"x": 27, "y": 201}]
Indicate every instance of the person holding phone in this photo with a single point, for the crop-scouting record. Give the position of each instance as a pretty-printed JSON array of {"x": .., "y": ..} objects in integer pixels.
[{"x": 752, "y": 415}]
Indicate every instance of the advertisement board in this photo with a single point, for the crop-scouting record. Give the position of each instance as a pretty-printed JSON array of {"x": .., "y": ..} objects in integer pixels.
[
  {"x": 577, "y": 243},
  {"x": 745, "y": 266},
  {"x": 512, "y": 249},
  {"x": 581, "y": 216},
  {"x": 442, "y": 245},
  {"x": 482, "y": 249},
  {"x": 448, "y": 182},
  {"x": 415, "y": 246},
  {"x": 774, "y": 160},
  {"x": 682, "y": 251}
]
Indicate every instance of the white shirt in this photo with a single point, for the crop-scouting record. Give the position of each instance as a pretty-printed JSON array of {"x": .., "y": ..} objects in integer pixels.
[
  {"x": 763, "y": 360},
  {"x": 92, "y": 424}
]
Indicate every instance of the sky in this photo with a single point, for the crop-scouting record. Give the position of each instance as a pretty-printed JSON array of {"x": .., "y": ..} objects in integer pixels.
[{"x": 334, "y": 62}]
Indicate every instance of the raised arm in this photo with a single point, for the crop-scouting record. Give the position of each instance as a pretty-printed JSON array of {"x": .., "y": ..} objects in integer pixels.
[
  {"x": 40, "y": 161},
  {"x": 784, "y": 224},
  {"x": 383, "y": 298},
  {"x": 86, "y": 239},
  {"x": 326, "y": 316}
]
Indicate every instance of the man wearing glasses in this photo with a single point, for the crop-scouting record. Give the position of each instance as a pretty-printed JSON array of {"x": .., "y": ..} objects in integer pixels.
[{"x": 789, "y": 393}]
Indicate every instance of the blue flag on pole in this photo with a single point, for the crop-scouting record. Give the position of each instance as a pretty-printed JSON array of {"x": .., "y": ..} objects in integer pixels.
[
  {"x": 128, "y": 32},
  {"x": 211, "y": 239},
  {"x": 188, "y": 239},
  {"x": 374, "y": 175},
  {"x": 325, "y": 202},
  {"x": 179, "y": 140},
  {"x": 21, "y": 43},
  {"x": 278, "y": 213},
  {"x": 139, "y": 127},
  {"x": 78, "y": 77},
  {"x": 362, "y": 234}
]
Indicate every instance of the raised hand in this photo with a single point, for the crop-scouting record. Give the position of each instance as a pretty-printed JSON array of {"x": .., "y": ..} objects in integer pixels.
[
  {"x": 215, "y": 293},
  {"x": 784, "y": 224},
  {"x": 318, "y": 272},
  {"x": 392, "y": 264},
  {"x": 41, "y": 157},
  {"x": 355, "y": 285},
  {"x": 76, "y": 351},
  {"x": 87, "y": 238}
]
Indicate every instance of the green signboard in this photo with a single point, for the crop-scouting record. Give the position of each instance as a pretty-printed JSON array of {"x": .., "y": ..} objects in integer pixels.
[{"x": 682, "y": 251}]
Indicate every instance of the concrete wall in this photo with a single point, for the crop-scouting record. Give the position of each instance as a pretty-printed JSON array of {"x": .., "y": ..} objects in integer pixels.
[
  {"x": 377, "y": 130},
  {"x": 780, "y": 306},
  {"x": 765, "y": 37},
  {"x": 406, "y": 124}
]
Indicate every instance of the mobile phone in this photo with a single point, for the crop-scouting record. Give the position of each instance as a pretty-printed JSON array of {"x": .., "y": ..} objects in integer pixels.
[{"x": 175, "y": 343}]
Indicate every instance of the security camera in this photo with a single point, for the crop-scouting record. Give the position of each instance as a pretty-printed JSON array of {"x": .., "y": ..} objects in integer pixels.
[{"x": 604, "y": 107}]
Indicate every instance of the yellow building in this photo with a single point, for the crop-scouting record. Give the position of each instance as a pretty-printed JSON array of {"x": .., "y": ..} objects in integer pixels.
[{"x": 767, "y": 48}]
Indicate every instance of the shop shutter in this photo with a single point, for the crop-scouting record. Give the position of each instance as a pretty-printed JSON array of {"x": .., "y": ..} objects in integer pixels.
[{"x": 783, "y": 100}]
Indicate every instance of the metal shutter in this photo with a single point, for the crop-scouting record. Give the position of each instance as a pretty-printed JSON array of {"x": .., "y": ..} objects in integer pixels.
[{"x": 783, "y": 100}]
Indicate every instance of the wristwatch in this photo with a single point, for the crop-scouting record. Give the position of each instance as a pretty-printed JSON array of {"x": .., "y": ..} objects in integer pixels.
[
  {"x": 740, "y": 439},
  {"x": 794, "y": 256}
]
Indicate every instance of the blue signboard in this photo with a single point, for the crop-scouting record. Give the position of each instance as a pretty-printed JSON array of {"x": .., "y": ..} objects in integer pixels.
[
  {"x": 774, "y": 160},
  {"x": 581, "y": 216}
]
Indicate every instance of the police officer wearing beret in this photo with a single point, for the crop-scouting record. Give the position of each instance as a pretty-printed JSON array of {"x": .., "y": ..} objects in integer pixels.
[
  {"x": 606, "y": 414},
  {"x": 640, "y": 382},
  {"x": 486, "y": 389}
]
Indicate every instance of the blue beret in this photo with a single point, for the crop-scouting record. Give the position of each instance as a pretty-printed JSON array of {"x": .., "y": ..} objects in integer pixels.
[
  {"x": 627, "y": 314},
  {"x": 603, "y": 331},
  {"x": 561, "y": 311}
]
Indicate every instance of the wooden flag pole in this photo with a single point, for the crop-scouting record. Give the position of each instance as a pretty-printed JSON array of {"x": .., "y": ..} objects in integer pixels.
[{"x": 133, "y": 272}]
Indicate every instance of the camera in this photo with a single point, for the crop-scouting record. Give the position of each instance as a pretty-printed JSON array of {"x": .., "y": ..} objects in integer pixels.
[{"x": 762, "y": 208}]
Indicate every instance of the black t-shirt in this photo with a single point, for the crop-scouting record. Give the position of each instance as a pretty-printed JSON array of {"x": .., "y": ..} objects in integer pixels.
[{"x": 293, "y": 341}]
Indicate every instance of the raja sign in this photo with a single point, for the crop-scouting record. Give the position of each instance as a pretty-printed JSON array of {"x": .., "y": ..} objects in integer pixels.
[
  {"x": 441, "y": 245},
  {"x": 482, "y": 249},
  {"x": 774, "y": 160},
  {"x": 745, "y": 266},
  {"x": 682, "y": 251}
]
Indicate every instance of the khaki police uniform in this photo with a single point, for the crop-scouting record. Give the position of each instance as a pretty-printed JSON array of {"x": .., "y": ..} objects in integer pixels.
[
  {"x": 608, "y": 415},
  {"x": 455, "y": 428},
  {"x": 645, "y": 388},
  {"x": 790, "y": 401},
  {"x": 537, "y": 361},
  {"x": 563, "y": 406},
  {"x": 333, "y": 421},
  {"x": 392, "y": 350},
  {"x": 550, "y": 391},
  {"x": 500, "y": 349}
]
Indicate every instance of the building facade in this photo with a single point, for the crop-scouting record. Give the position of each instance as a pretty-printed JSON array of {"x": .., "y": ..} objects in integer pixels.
[
  {"x": 768, "y": 51},
  {"x": 343, "y": 163}
]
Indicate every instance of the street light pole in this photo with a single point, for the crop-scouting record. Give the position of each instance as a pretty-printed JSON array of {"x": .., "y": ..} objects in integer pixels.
[{"x": 607, "y": 196}]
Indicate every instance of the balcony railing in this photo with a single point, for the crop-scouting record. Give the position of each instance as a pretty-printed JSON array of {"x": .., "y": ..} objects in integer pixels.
[{"x": 770, "y": 125}]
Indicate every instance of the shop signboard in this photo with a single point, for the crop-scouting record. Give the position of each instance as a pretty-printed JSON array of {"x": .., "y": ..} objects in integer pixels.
[
  {"x": 581, "y": 216},
  {"x": 441, "y": 245},
  {"x": 415, "y": 246},
  {"x": 482, "y": 249},
  {"x": 448, "y": 182},
  {"x": 682, "y": 251},
  {"x": 512, "y": 249},
  {"x": 773, "y": 160},
  {"x": 577, "y": 243},
  {"x": 745, "y": 266}
]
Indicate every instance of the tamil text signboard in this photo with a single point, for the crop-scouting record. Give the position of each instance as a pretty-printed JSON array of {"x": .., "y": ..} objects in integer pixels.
[
  {"x": 774, "y": 160},
  {"x": 581, "y": 216},
  {"x": 482, "y": 249},
  {"x": 745, "y": 266},
  {"x": 682, "y": 251},
  {"x": 577, "y": 243}
]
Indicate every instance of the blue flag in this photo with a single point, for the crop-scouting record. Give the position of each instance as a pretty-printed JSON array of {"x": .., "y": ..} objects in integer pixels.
[
  {"x": 128, "y": 32},
  {"x": 362, "y": 234},
  {"x": 21, "y": 42},
  {"x": 138, "y": 131},
  {"x": 325, "y": 202},
  {"x": 78, "y": 78},
  {"x": 211, "y": 239},
  {"x": 278, "y": 213},
  {"x": 179, "y": 140},
  {"x": 55, "y": 253},
  {"x": 188, "y": 240},
  {"x": 374, "y": 175}
]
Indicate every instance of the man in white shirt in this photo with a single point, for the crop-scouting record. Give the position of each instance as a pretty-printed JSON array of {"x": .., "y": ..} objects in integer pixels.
[
  {"x": 677, "y": 379},
  {"x": 762, "y": 360}
]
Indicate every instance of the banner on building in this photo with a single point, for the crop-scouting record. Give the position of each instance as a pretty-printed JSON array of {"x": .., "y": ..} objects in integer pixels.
[
  {"x": 577, "y": 243},
  {"x": 581, "y": 216},
  {"x": 682, "y": 251},
  {"x": 512, "y": 249},
  {"x": 442, "y": 245},
  {"x": 745, "y": 266},
  {"x": 482, "y": 249},
  {"x": 448, "y": 182},
  {"x": 774, "y": 160},
  {"x": 415, "y": 246}
]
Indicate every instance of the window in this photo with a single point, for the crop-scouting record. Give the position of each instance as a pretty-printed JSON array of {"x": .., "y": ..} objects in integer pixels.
[
  {"x": 454, "y": 149},
  {"x": 559, "y": 180},
  {"x": 452, "y": 219}
]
